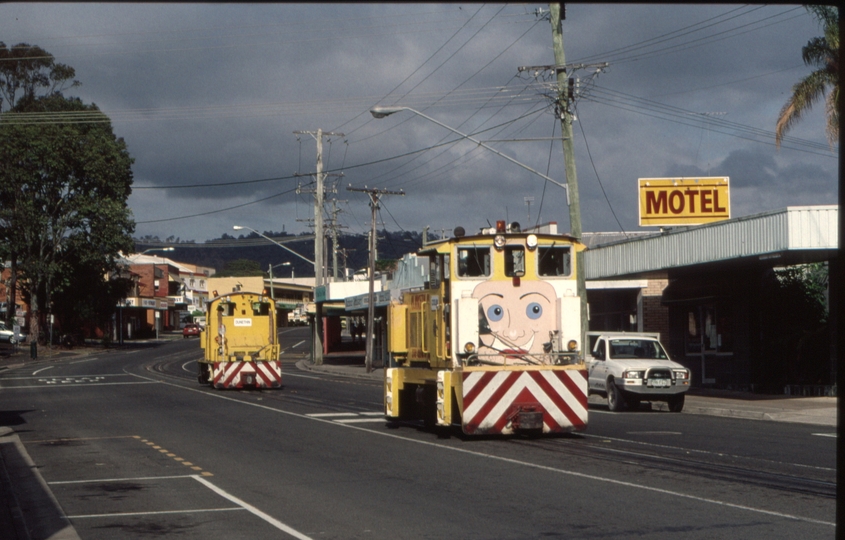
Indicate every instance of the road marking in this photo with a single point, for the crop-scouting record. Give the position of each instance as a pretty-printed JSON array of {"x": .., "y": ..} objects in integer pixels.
[
  {"x": 513, "y": 461},
  {"x": 696, "y": 450},
  {"x": 186, "y": 363},
  {"x": 655, "y": 433},
  {"x": 138, "y": 478},
  {"x": 37, "y": 371},
  {"x": 298, "y": 344},
  {"x": 161, "y": 512},
  {"x": 350, "y": 417},
  {"x": 255, "y": 511},
  {"x": 824, "y": 435},
  {"x": 301, "y": 376},
  {"x": 42, "y": 386}
]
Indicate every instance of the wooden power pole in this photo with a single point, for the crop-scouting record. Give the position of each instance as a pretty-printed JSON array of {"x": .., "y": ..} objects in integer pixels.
[
  {"x": 565, "y": 99},
  {"x": 319, "y": 240},
  {"x": 374, "y": 194}
]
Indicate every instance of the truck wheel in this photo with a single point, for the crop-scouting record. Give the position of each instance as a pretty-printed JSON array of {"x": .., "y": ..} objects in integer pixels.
[
  {"x": 615, "y": 399},
  {"x": 676, "y": 403}
]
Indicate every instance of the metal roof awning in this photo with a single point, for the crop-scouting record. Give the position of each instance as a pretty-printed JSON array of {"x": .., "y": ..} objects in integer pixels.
[{"x": 794, "y": 235}]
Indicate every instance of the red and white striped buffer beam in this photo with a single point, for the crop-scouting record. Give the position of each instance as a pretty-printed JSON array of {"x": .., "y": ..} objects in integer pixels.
[
  {"x": 258, "y": 374},
  {"x": 504, "y": 401}
]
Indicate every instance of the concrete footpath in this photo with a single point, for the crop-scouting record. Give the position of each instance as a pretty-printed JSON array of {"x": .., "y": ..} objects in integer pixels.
[{"x": 29, "y": 511}]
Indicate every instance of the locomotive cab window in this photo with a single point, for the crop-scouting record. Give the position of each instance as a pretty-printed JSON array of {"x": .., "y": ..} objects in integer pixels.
[
  {"x": 473, "y": 262},
  {"x": 554, "y": 261},
  {"x": 514, "y": 261},
  {"x": 260, "y": 308},
  {"x": 227, "y": 309}
]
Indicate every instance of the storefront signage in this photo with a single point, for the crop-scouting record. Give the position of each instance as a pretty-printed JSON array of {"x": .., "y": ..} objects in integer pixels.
[{"x": 683, "y": 201}]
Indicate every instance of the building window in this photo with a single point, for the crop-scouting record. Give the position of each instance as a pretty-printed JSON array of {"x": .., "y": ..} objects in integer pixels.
[{"x": 709, "y": 329}]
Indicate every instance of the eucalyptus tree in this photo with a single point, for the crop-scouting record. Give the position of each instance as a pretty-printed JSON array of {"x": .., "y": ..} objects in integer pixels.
[{"x": 64, "y": 181}]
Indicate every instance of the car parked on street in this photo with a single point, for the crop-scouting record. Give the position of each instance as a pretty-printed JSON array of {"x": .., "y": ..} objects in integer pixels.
[
  {"x": 8, "y": 336},
  {"x": 628, "y": 368},
  {"x": 191, "y": 330}
]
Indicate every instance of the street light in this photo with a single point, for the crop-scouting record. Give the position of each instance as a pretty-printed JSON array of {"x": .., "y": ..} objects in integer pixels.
[
  {"x": 381, "y": 112},
  {"x": 239, "y": 227},
  {"x": 157, "y": 249},
  {"x": 272, "y": 283}
]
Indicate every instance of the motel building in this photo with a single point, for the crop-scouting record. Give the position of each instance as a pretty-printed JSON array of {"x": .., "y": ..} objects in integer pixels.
[{"x": 705, "y": 281}]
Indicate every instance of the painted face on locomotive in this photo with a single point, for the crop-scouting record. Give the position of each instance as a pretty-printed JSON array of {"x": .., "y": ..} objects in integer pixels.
[{"x": 514, "y": 321}]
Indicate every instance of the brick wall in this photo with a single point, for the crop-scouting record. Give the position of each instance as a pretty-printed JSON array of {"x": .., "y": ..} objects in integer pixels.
[{"x": 655, "y": 314}]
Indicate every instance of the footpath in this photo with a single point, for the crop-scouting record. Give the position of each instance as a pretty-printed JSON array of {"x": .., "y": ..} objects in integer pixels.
[{"x": 29, "y": 511}]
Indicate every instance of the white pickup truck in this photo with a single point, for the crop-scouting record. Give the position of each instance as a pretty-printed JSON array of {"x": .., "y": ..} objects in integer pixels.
[{"x": 628, "y": 368}]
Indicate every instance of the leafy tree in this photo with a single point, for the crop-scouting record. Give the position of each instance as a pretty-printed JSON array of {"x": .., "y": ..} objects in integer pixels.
[
  {"x": 27, "y": 71},
  {"x": 63, "y": 192},
  {"x": 823, "y": 53},
  {"x": 794, "y": 326},
  {"x": 241, "y": 268}
]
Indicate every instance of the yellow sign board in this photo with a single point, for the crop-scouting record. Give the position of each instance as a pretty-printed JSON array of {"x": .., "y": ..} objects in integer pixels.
[{"x": 668, "y": 202}]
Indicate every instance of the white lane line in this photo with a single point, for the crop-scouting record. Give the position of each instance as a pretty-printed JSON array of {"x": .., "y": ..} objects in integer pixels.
[
  {"x": 136, "y": 479},
  {"x": 330, "y": 414},
  {"x": 655, "y": 433},
  {"x": 102, "y": 375},
  {"x": 91, "y": 359},
  {"x": 125, "y": 514},
  {"x": 359, "y": 420},
  {"x": 37, "y": 371},
  {"x": 255, "y": 511},
  {"x": 376, "y": 413},
  {"x": 509, "y": 460},
  {"x": 824, "y": 435},
  {"x": 298, "y": 344},
  {"x": 302, "y": 376},
  {"x": 45, "y": 385},
  {"x": 186, "y": 363}
]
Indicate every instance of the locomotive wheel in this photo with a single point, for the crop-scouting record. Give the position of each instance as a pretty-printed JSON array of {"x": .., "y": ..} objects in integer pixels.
[{"x": 203, "y": 373}]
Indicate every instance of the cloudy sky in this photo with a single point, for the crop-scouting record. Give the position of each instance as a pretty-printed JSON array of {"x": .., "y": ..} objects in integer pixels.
[{"x": 209, "y": 98}]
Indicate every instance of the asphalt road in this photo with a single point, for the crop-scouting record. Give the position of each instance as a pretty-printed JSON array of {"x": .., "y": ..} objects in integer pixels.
[{"x": 133, "y": 447}]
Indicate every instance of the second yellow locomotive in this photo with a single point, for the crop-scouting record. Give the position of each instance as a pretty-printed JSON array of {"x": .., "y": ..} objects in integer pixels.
[{"x": 240, "y": 345}]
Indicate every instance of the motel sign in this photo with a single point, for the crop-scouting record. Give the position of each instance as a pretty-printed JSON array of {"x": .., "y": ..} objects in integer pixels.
[{"x": 669, "y": 202}]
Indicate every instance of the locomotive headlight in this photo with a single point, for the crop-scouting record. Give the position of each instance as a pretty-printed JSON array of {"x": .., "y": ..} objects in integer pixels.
[
  {"x": 469, "y": 348},
  {"x": 572, "y": 345},
  {"x": 531, "y": 241},
  {"x": 499, "y": 241}
]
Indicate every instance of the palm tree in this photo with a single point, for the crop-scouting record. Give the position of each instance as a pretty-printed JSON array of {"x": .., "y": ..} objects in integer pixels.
[{"x": 823, "y": 53}]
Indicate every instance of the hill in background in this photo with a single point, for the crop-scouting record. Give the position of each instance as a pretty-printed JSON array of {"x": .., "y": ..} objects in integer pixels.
[{"x": 218, "y": 252}]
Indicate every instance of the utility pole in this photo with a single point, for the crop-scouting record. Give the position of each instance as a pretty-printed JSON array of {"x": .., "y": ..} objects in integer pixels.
[
  {"x": 319, "y": 241},
  {"x": 334, "y": 228},
  {"x": 565, "y": 99},
  {"x": 374, "y": 194}
]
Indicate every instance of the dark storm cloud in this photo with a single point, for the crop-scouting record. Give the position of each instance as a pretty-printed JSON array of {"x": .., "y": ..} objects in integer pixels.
[{"x": 212, "y": 94}]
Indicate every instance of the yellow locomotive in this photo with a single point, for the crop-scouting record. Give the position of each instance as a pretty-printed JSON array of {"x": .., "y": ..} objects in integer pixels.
[
  {"x": 239, "y": 341},
  {"x": 493, "y": 341}
]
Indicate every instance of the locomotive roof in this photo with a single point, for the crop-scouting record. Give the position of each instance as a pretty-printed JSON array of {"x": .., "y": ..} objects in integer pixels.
[{"x": 440, "y": 246}]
